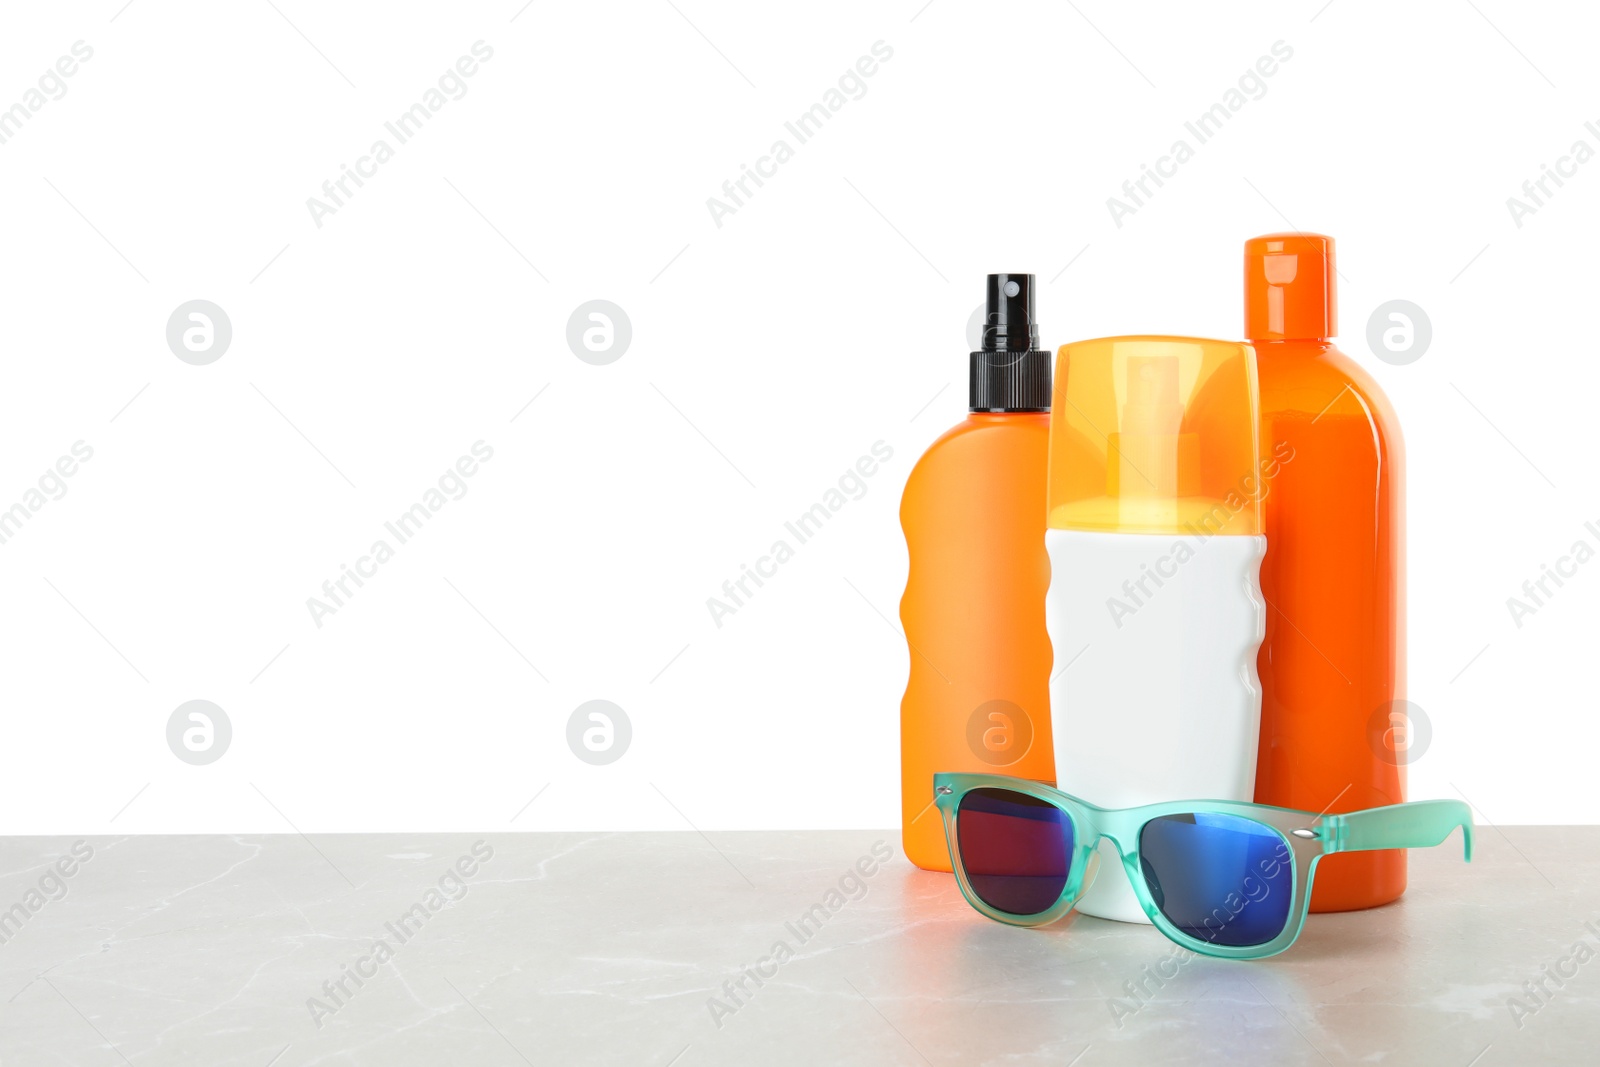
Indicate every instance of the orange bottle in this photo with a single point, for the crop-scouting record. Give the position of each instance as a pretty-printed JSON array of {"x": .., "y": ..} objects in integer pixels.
[
  {"x": 974, "y": 516},
  {"x": 1332, "y": 664}
]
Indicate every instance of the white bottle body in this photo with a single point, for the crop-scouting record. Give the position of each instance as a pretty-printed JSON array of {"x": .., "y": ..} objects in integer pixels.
[{"x": 1154, "y": 694}]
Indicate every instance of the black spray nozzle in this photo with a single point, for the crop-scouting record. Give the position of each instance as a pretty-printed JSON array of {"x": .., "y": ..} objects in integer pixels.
[
  {"x": 1009, "y": 371},
  {"x": 1009, "y": 324}
]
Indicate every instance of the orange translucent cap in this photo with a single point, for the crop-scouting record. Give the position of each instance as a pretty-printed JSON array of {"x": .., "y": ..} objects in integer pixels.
[
  {"x": 1290, "y": 292},
  {"x": 1155, "y": 435}
]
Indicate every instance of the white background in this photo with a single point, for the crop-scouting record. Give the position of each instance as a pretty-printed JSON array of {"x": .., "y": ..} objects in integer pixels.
[{"x": 768, "y": 354}]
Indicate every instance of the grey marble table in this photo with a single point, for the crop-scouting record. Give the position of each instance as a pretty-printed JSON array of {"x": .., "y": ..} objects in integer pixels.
[{"x": 747, "y": 948}]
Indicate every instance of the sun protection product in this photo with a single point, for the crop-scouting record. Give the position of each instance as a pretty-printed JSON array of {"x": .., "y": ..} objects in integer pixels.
[
  {"x": 1154, "y": 611},
  {"x": 973, "y": 609},
  {"x": 1332, "y": 665}
]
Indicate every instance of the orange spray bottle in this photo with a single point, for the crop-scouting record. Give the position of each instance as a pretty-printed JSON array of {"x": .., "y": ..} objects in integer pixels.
[
  {"x": 1332, "y": 665},
  {"x": 974, "y": 518}
]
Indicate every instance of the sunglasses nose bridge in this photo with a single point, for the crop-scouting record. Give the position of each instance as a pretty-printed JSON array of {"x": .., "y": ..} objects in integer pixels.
[
  {"x": 1090, "y": 837},
  {"x": 1093, "y": 835}
]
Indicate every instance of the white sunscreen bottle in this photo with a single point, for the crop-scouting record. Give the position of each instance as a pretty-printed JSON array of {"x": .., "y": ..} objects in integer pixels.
[{"x": 1154, "y": 609}]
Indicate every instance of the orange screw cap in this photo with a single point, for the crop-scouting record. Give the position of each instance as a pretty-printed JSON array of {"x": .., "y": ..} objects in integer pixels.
[{"x": 1289, "y": 288}]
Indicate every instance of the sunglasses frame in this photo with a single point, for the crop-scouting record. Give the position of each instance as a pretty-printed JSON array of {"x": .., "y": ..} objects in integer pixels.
[{"x": 1307, "y": 836}]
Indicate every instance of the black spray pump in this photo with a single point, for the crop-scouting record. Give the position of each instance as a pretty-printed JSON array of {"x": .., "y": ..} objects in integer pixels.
[{"x": 1010, "y": 372}]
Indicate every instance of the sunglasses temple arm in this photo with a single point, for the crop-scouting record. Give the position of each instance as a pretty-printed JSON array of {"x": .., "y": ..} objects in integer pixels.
[{"x": 1420, "y": 824}]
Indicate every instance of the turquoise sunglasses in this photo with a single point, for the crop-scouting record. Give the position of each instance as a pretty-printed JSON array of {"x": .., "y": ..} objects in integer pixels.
[{"x": 1219, "y": 877}]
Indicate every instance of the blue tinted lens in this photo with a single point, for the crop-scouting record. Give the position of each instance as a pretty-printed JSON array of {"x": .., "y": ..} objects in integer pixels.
[
  {"x": 1220, "y": 878},
  {"x": 1016, "y": 850}
]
